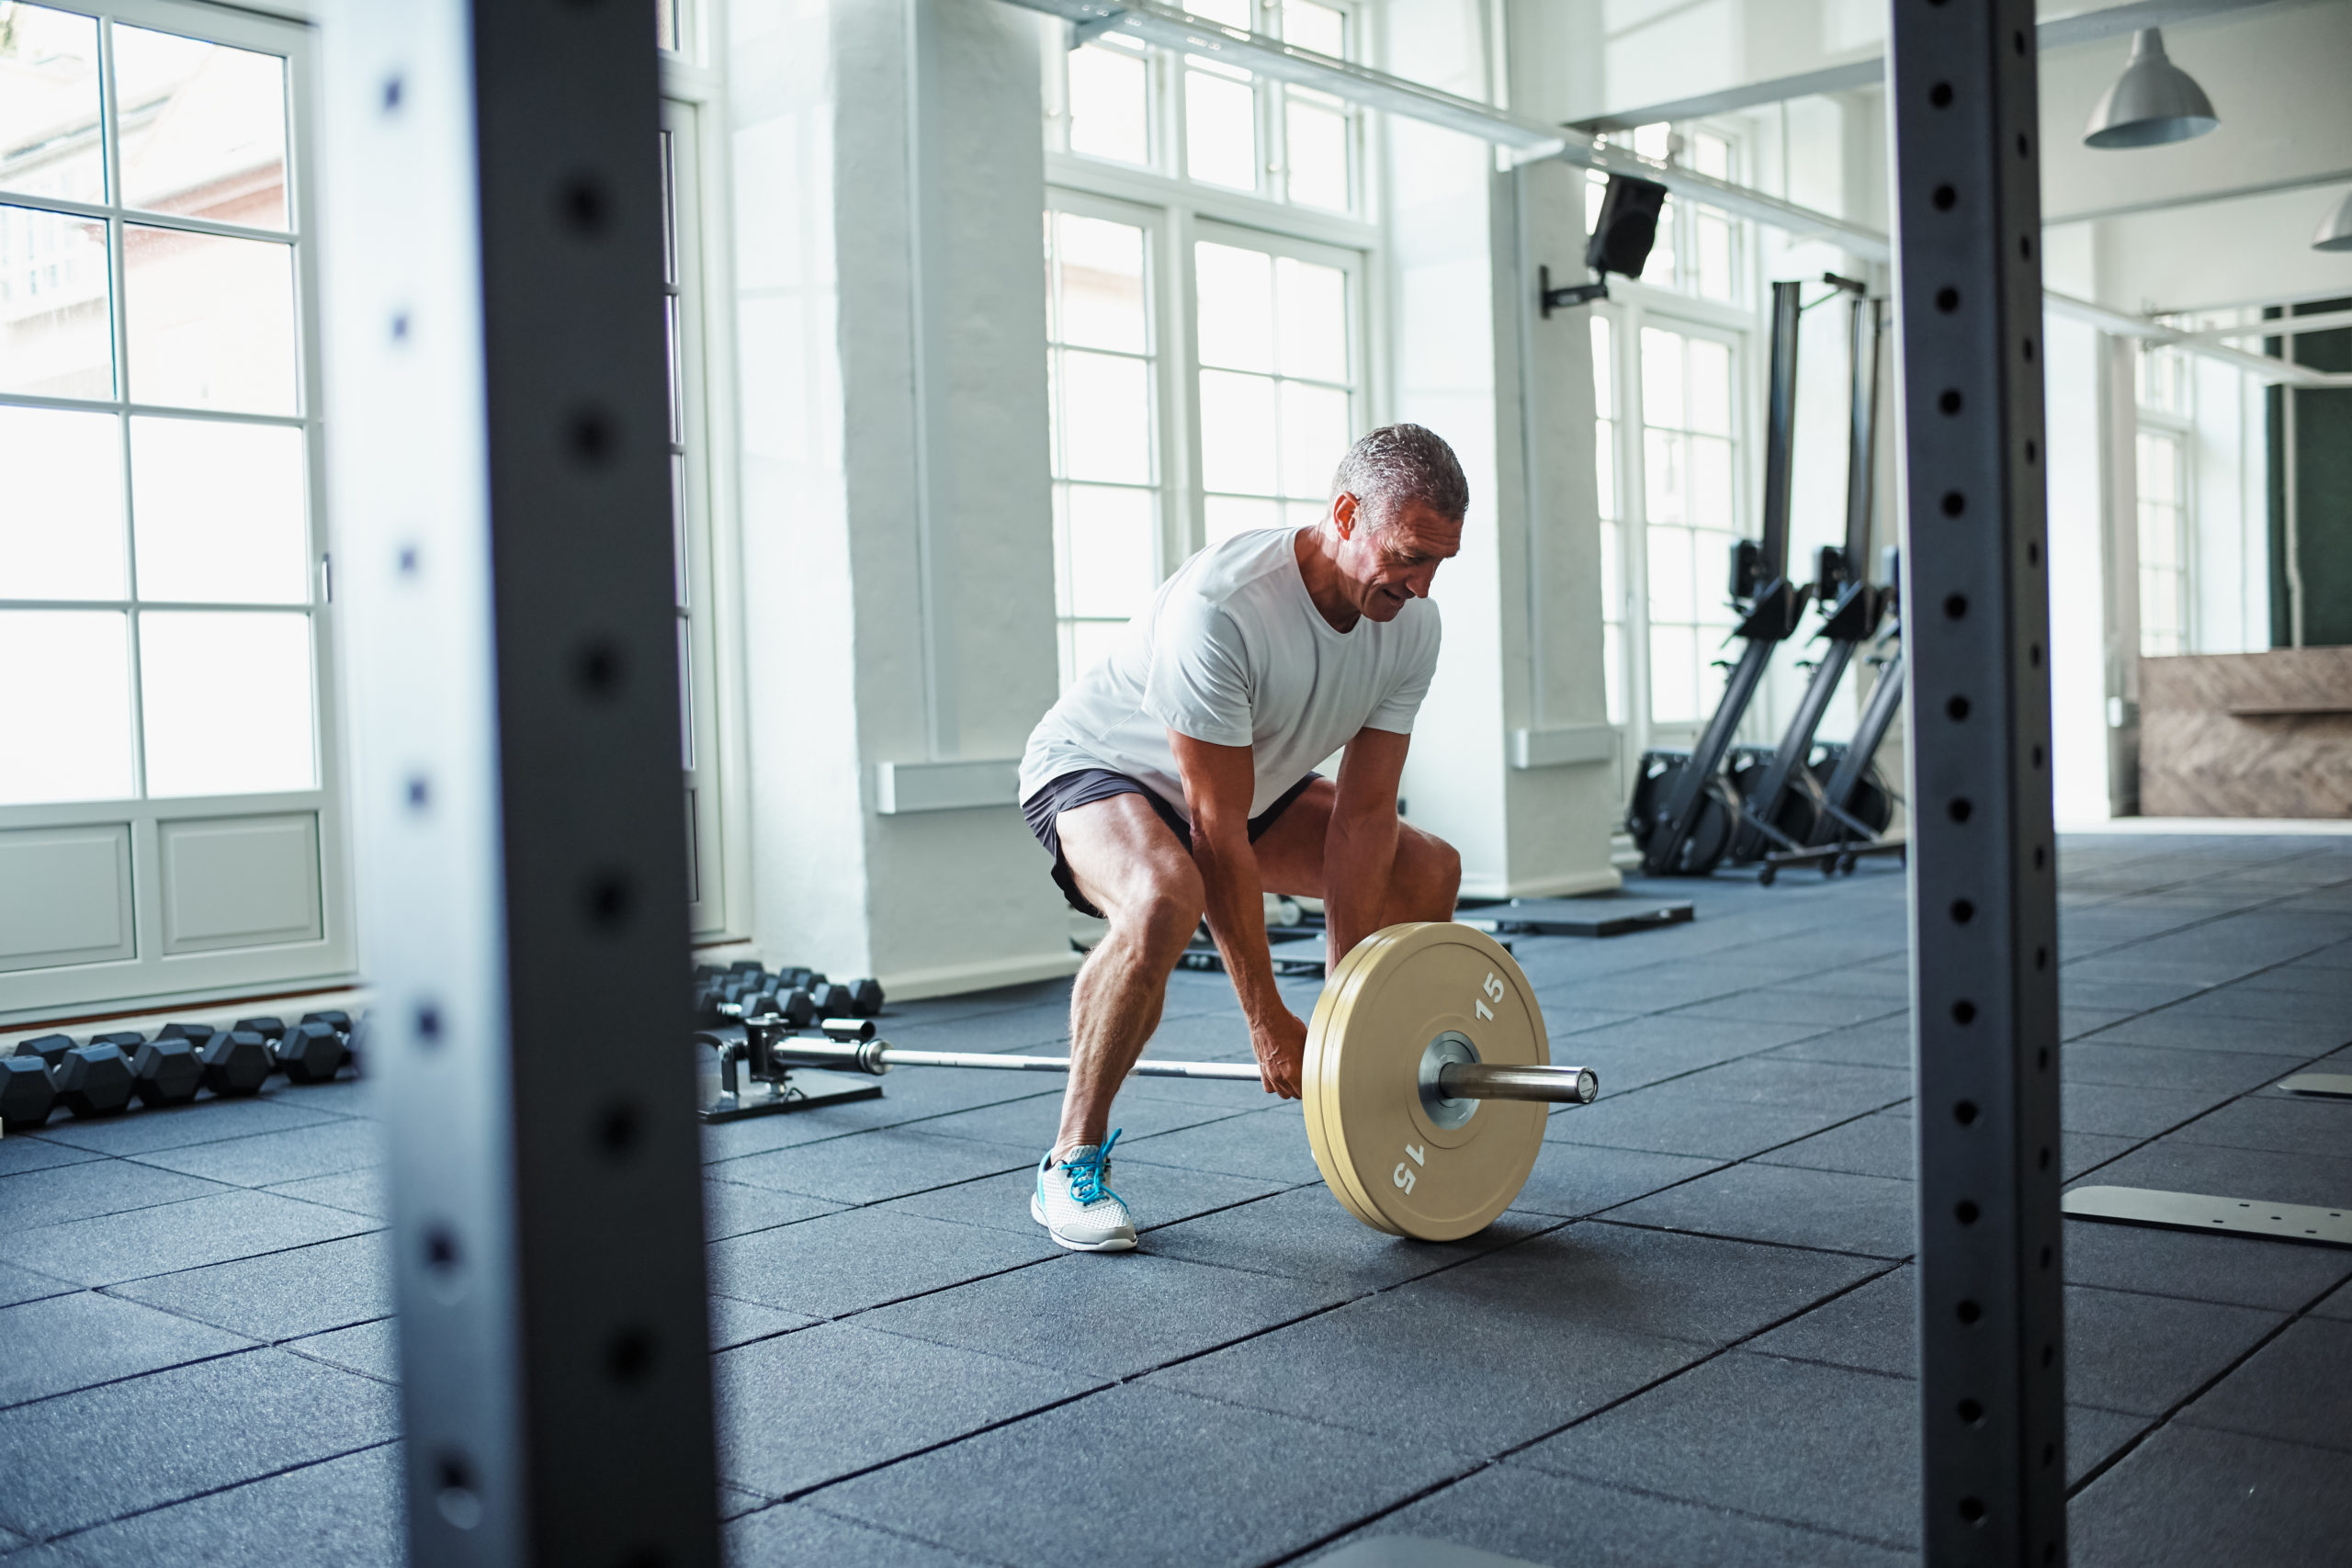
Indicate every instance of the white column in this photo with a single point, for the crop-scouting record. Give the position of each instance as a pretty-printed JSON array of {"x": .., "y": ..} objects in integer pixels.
[
  {"x": 1511, "y": 755},
  {"x": 897, "y": 541}
]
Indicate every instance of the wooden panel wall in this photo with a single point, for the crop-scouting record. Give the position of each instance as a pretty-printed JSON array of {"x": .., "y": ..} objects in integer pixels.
[{"x": 2247, "y": 733}]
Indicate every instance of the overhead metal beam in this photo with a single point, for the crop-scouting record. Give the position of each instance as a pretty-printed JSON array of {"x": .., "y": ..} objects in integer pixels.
[
  {"x": 2059, "y": 32},
  {"x": 500, "y": 477},
  {"x": 2202, "y": 197},
  {"x": 2260, "y": 366},
  {"x": 1172, "y": 28},
  {"x": 2277, "y": 326},
  {"x": 1984, "y": 872}
]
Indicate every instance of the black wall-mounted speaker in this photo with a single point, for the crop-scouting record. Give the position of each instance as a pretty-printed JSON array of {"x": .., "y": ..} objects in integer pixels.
[{"x": 1628, "y": 227}]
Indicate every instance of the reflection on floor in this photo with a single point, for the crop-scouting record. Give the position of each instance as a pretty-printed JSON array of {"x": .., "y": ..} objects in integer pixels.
[{"x": 1689, "y": 1343}]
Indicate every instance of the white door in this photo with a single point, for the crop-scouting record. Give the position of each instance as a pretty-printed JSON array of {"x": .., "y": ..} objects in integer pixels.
[{"x": 169, "y": 825}]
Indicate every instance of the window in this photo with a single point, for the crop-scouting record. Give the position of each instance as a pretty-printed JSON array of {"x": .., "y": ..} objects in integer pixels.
[
  {"x": 1232, "y": 130},
  {"x": 163, "y": 646},
  {"x": 1204, "y": 261},
  {"x": 1276, "y": 400},
  {"x": 1101, "y": 371},
  {"x": 1616, "y": 595},
  {"x": 2165, "y": 391},
  {"x": 683, "y": 305},
  {"x": 1691, "y": 517},
  {"x": 2164, "y": 537}
]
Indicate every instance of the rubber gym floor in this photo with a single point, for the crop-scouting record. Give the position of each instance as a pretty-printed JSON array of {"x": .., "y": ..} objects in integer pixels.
[{"x": 1689, "y": 1342}]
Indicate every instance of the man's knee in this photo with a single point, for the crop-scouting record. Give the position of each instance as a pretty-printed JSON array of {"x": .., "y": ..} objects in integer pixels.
[{"x": 1160, "y": 909}]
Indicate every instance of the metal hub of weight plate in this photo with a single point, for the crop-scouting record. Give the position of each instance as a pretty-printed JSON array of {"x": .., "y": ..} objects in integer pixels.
[{"x": 1397, "y": 1153}]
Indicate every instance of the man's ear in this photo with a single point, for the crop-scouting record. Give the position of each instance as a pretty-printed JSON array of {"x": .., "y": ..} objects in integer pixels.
[{"x": 1343, "y": 515}]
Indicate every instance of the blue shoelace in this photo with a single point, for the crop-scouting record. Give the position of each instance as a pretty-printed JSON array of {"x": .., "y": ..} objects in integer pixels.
[{"x": 1087, "y": 1174}]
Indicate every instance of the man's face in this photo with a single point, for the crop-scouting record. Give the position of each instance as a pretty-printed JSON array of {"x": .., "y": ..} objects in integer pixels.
[{"x": 1381, "y": 569}]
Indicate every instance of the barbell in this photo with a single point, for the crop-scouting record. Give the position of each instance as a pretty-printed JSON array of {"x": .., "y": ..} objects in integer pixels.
[{"x": 1425, "y": 1069}]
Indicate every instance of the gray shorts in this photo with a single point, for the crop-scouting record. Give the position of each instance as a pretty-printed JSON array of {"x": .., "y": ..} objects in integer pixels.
[{"x": 1088, "y": 785}]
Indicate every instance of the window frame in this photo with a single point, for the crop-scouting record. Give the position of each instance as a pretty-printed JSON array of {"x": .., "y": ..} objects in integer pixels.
[
  {"x": 1167, "y": 427},
  {"x": 1632, "y": 306},
  {"x": 1354, "y": 263},
  {"x": 715, "y": 543},
  {"x": 1175, "y": 211},
  {"x": 148, "y": 973}
]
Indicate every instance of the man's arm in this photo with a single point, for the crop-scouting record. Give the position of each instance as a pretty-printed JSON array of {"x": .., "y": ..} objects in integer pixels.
[
  {"x": 1360, "y": 846},
  {"x": 1218, "y": 783}
]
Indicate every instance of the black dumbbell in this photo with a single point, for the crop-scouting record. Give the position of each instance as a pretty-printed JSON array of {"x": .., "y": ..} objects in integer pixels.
[
  {"x": 26, "y": 1093},
  {"x": 866, "y": 998},
  {"x": 267, "y": 1028},
  {"x": 799, "y": 1009},
  {"x": 196, "y": 1034},
  {"x": 743, "y": 966},
  {"x": 833, "y": 999},
  {"x": 130, "y": 1040},
  {"x": 166, "y": 1072},
  {"x": 49, "y": 1048},
  {"x": 794, "y": 979},
  {"x": 236, "y": 1063},
  {"x": 333, "y": 1018},
  {"x": 93, "y": 1080},
  {"x": 309, "y": 1053}
]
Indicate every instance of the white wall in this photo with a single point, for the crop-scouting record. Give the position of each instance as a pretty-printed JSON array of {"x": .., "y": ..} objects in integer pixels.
[
  {"x": 898, "y": 576},
  {"x": 1523, "y": 600}
]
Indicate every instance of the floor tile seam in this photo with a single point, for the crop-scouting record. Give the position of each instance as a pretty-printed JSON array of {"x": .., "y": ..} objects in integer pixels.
[
  {"x": 2161, "y": 1421},
  {"x": 1712, "y": 1355},
  {"x": 2168, "y": 1131},
  {"x": 1794, "y": 1246},
  {"x": 1744, "y": 1056},
  {"x": 293, "y": 1347},
  {"x": 1756, "y": 1159},
  {"x": 265, "y": 1187},
  {"x": 67, "y": 1536},
  {"x": 2246, "y": 909},
  {"x": 226, "y": 1188},
  {"x": 711, "y": 1168},
  {"x": 1715, "y": 1506},
  {"x": 805, "y": 1501},
  {"x": 805, "y": 1493},
  {"x": 1366, "y": 1521},
  {"x": 131, "y": 1116},
  {"x": 2211, "y": 1424},
  {"x": 109, "y": 1287},
  {"x": 247, "y": 1348},
  {"x": 1257, "y": 1333}
]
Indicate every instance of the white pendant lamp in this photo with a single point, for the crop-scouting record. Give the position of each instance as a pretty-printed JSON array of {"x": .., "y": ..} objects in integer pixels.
[
  {"x": 2335, "y": 233},
  {"x": 2151, "y": 103}
]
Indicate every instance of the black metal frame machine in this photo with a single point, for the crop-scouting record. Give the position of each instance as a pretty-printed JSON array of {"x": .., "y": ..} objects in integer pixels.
[
  {"x": 1800, "y": 797},
  {"x": 1684, "y": 812}
]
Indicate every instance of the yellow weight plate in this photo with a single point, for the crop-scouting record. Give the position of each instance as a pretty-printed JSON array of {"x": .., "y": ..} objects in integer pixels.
[
  {"x": 1334, "y": 1177},
  {"x": 1399, "y": 1159}
]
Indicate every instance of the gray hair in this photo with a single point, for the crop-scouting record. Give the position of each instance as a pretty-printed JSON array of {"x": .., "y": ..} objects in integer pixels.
[{"x": 1401, "y": 463}]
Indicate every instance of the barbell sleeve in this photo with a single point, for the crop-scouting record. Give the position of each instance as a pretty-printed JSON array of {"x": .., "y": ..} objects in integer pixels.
[
  {"x": 1459, "y": 1080},
  {"x": 1496, "y": 1081}
]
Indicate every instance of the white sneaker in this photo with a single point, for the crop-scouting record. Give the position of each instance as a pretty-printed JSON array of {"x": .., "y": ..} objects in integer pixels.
[{"x": 1075, "y": 1206}]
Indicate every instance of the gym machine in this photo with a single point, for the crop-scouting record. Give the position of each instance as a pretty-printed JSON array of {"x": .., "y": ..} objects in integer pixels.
[
  {"x": 1684, "y": 813},
  {"x": 1785, "y": 805}
]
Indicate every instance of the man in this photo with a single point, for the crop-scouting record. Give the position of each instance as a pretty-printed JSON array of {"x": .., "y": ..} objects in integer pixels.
[{"x": 1175, "y": 781}]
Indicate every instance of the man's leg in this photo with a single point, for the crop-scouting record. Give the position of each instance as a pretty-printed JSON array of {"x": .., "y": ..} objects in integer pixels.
[
  {"x": 1130, "y": 866},
  {"x": 1422, "y": 881}
]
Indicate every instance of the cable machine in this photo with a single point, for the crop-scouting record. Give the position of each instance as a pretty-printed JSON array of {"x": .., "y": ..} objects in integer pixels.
[
  {"x": 1784, "y": 803},
  {"x": 1684, "y": 812}
]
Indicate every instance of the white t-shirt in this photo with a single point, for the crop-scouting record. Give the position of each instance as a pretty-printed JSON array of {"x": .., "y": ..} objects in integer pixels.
[{"x": 1234, "y": 652}]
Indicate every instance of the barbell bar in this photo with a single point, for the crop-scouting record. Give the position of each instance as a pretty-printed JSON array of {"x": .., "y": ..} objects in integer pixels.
[
  {"x": 1423, "y": 1083},
  {"x": 1455, "y": 1080}
]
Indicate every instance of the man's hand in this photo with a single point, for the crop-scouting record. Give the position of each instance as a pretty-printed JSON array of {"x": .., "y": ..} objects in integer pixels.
[{"x": 1280, "y": 1044}]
